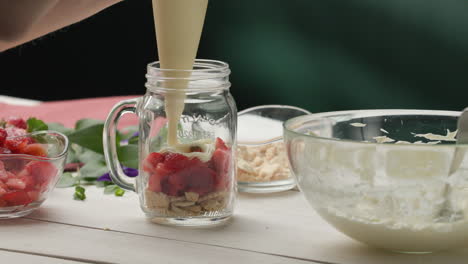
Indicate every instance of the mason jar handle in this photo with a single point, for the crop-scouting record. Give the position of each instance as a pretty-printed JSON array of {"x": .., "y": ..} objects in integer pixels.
[{"x": 109, "y": 141}]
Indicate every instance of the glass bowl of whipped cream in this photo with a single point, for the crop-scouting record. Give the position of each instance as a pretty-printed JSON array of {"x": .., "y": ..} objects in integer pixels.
[
  {"x": 262, "y": 165},
  {"x": 392, "y": 179}
]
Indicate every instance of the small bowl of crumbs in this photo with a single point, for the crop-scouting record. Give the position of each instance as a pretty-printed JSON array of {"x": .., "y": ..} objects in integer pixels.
[{"x": 262, "y": 164}]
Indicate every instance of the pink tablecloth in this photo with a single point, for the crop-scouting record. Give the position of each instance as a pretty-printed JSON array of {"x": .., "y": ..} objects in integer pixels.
[{"x": 68, "y": 112}]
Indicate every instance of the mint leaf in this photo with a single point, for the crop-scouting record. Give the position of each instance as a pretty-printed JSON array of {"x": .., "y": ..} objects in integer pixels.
[
  {"x": 35, "y": 124},
  {"x": 102, "y": 184},
  {"x": 128, "y": 132},
  {"x": 59, "y": 128},
  {"x": 72, "y": 155},
  {"x": 119, "y": 192},
  {"x": 89, "y": 137},
  {"x": 67, "y": 180},
  {"x": 85, "y": 123},
  {"x": 79, "y": 189},
  {"x": 128, "y": 155},
  {"x": 79, "y": 193},
  {"x": 110, "y": 189},
  {"x": 93, "y": 169},
  {"x": 133, "y": 141},
  {"x": 87, "y": 155}
]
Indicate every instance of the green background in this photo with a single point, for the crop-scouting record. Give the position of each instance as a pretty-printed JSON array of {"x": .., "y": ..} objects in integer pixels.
[
  {"x": 322, "y": 55},
  {"x": 344, "y": 54}
]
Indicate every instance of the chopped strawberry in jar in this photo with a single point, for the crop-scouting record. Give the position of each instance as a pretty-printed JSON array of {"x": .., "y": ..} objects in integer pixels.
[{"x": 194, "y": 182}]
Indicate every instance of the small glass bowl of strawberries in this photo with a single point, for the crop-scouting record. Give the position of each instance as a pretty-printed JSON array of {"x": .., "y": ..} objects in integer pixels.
[{"x": 30, "y": 166}]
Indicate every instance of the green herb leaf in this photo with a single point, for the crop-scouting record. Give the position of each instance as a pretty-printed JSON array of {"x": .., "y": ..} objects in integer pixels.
[
  {"x": 110, "y": 189},
  {"x": 86, "y": 147},
  {"x": 133, "y": 141},
  {"x": 35, "y": 124},
  {"x": 71, "y": 155},
  {"x": 89, "y": 180},
  {"x": 93, "y": 169},
  {"x": 80, "y": 193},
  {"x": 80, "y": 189},
  {"x": 59, "y": 128},
  {"x": 119, "y": 192},
  {"x": 128, "y": 155},
  {"x": 87, "y": 155},
  {"x": 67, "y": 180},
  {"x": 102, "y": 184},
  {"x": 79, "y": 196},
  {"x": 89, "y": 137},
  {"x": 85, "y": 123},
  {"x": 129, "y": 132}
]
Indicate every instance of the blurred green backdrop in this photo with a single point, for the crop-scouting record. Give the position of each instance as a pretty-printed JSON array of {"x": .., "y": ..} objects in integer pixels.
[
  {"x": 334, "y": 54},
  {"x": 323, "y": 55}
]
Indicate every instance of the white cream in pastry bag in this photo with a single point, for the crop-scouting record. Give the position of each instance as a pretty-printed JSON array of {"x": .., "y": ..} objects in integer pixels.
[{"x": 179, "y": 24}]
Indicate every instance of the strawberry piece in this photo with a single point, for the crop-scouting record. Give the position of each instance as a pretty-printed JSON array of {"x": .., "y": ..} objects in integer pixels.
[
  {"x": 3, "y": 173},
  {"x": 42, "y": 172},
  {"x": 3, "y": 203},
  {"x": 3, "y": 185},
  {"x": 221, "y": 160},
  {"x": 17, "y": 122},
  {"x": 176, "y": 161},
  {"x": 29, "y": 181},
  {"x": 16, "y": 145},
  {"x": 3, "y": 136},
  {"x": 34, "y": 195},
  {"x": 15, "y": 132},
  {"x": 16, "y": 184},
  {"x": 11, "y": 175},
  {"x": 160, "y": 173},
  {"x": 151, "y": 161},
  {"x": 220, "y": 144},
  {"x": 201, "y": 180},
  {"x": 5, "y": 151},
  {"x": 6, "y": 175},
  {"x": 35, "y": 150},
  {"x": 2, "y": 191},
  {"x": 154, "y": 184},
  {"x": 15, "y": 198},
  {"x": 170, "y": 189},
  {"x": 178, "y": 180},
  {"x": 176, "y": 173}
]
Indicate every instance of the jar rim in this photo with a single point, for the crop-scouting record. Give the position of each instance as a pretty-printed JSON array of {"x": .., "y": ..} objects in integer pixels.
[
  {"x": 203, "y": 70},
  {"x": 209, "y": 67}
]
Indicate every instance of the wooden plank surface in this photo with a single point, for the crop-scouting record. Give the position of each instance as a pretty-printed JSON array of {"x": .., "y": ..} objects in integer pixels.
[
  {"x": 265, "y": 228},
  {"x": 281, "y": 224},
  {"x": 20, "y": 258},
  {"x": 100, "y": 246}
]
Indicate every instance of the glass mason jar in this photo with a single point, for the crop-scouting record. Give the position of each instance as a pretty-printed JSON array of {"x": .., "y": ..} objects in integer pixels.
[{"x": 187, "y": 144}]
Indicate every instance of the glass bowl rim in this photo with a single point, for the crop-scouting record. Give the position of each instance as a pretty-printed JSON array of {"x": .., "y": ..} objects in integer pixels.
[
  {"x": 371, "y": 113},
  {"x": 271, "y": 140},
  {"x": 31, "y": 157}
]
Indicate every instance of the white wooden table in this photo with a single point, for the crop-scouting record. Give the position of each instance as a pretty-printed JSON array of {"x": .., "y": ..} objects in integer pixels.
[{"x": 272, "y": 228}]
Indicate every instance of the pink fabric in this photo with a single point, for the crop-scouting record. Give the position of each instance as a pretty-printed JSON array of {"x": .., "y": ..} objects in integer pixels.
[{"x": 70, "y": 111}]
